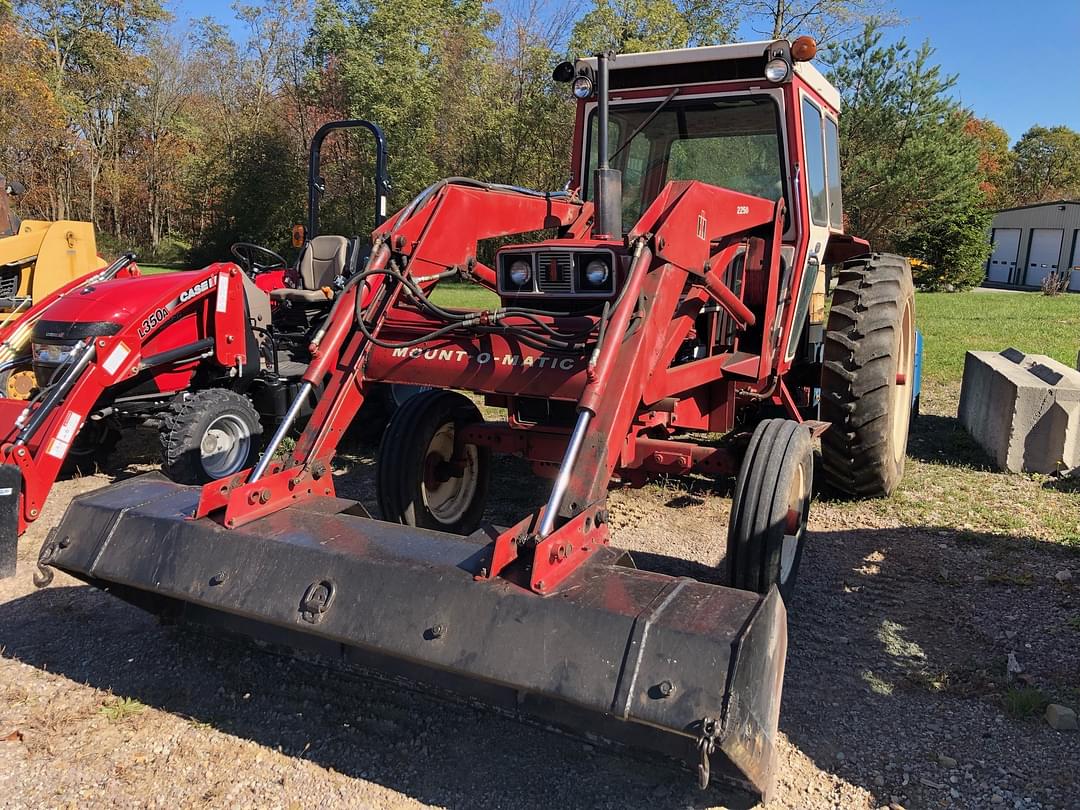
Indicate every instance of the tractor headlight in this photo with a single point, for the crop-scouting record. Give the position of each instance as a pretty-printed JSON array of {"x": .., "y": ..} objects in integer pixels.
[
  {"x": 52, "y": 354},
  {"x": 597, "y": 272},
  {"x": 582, "y": 87},
  {"x": 593, "y": 273},
  {"x": 777, "y": 70},
  {"x": 520, "y": 272}
]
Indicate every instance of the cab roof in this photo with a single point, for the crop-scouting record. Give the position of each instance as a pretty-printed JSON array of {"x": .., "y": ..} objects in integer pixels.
[{"x": 713, "y": 63}]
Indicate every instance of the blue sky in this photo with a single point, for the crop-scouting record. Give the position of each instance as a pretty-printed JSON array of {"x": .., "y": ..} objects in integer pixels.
[{"x": 1017, "y": 60}]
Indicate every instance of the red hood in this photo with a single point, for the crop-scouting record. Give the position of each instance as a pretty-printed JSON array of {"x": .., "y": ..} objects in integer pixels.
[{"x": 120, "y": 300}]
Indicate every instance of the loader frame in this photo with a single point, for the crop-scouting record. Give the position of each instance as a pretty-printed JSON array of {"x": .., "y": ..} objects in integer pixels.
[{"x": 630, "y": 396}]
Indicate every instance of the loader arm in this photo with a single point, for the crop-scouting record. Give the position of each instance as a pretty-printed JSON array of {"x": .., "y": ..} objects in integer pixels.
[
  {"x": 554, "y": 617},
  {"x": 685, "y": 240},
  {"x": 436, "y": 239}
]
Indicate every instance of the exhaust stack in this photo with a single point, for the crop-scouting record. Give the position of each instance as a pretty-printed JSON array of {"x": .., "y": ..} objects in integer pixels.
[{"x": 607, "y": 182}]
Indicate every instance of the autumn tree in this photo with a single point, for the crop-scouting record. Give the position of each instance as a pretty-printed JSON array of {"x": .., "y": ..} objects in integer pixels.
[
  {"x": 630, "y": 26},
  {"x": 32, "y": 121},
  {"x": 1046, "y": 165},
  {"x": 995, "y": 160}
]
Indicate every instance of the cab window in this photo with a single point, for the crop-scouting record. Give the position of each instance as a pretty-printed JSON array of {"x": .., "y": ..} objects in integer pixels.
[
  {"x": 730, "y": 143},
  {"x": 815, "y": 163},
  {"x": 832, "y": 155}
]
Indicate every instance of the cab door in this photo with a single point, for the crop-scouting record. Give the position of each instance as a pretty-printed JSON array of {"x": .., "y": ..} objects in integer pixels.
[{"x": 820, "y": 194}]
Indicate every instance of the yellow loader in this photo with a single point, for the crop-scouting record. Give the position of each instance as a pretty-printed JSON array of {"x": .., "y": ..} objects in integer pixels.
[{"x": 37, "y": 257}]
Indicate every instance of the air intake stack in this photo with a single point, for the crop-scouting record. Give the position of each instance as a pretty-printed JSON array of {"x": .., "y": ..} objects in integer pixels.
[{"x": 607, "y": 182}]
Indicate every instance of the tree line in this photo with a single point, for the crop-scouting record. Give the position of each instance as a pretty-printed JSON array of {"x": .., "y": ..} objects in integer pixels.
[{"x": 178, "y": 140}]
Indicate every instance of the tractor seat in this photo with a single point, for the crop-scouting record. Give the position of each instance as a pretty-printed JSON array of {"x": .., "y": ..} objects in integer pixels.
[{"x": 323, "y": 260}]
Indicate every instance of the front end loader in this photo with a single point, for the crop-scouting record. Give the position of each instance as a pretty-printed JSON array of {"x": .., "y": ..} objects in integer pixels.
[{"x": 671, "y": 323}]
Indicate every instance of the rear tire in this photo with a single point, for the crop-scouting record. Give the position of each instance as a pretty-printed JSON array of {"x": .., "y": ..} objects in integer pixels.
[
  {"x": 415, "y": 484},
  {"x": 209, "y": 435},
  {"x": 93, "y": 446},
  {"x": 769, "y": 509},
  {"x": 867, "y": 375}
]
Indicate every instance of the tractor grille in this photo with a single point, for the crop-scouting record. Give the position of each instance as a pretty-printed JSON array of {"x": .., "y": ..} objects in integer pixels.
[
  {"x": 9, "y": 283},
  {"x": 554, "y": 271}
]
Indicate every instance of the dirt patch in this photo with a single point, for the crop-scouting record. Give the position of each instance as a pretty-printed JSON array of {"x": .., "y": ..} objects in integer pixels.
[{"x": 896, "y": 687}]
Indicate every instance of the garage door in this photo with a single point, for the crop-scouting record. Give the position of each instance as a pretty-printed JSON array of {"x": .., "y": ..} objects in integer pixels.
[
  {"x": 1074, "y": 263},
  {"x": 1002, "y": 260},
  {"x": 1043, "y": 254}
]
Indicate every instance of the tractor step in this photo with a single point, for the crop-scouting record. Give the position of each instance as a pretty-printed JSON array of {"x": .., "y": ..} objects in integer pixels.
[{"x": 684, "y": 668}]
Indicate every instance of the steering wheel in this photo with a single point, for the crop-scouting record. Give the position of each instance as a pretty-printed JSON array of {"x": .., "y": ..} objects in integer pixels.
[{"x": 255, "y": 259}]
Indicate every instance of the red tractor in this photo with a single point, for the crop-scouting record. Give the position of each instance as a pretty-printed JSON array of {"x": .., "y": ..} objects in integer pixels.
[
  {"x": 208, "y": 356},
  {"x": 672, "y": 323}
]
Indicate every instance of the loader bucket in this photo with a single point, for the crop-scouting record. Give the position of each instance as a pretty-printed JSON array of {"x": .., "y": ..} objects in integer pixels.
[{"x": 687, "y": 669}]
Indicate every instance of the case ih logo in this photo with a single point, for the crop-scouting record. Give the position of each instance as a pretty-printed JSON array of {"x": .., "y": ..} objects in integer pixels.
[
  {"x": 553, "y": 270},
  {"x": 198, "y": 289},
  {"x": 702, "y": 225},
  {"x": 487, "y": 358}
]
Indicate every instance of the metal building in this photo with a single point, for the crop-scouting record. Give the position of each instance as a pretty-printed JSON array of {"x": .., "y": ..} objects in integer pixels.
[{"x": 1032, "y": 241}]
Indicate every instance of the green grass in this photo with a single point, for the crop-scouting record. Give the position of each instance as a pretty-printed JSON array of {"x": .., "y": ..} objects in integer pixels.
[
  {"x": 465, "y": 296},
  {"x": 155, "y": 269},
  {"x": 954, "y": 323},
  {"x": 1024, "y": 702},
  {"x": 119, "y": 709}
]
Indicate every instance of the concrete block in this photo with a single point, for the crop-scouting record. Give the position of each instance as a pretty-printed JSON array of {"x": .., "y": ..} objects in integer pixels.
[{"x": 1023, "y": 409}]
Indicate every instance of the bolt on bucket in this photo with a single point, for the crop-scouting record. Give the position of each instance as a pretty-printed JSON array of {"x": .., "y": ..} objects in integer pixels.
[{"x": 684, "y": 668}]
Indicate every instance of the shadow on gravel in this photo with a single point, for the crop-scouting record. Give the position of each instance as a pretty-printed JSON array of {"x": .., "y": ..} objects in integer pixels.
[
  {"x": 436, "y": 749},
  {"x": 898, "y": 644}
]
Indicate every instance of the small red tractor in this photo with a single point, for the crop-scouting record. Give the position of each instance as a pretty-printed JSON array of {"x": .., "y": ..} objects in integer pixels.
[
  {"x": 209, "y": 355},
  {"x": 673, "y": 323}
]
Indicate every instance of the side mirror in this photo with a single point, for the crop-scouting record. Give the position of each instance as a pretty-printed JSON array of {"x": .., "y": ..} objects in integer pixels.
[
  {"x": 563, "y": 72},
  {"x": 298, "y": 235}
]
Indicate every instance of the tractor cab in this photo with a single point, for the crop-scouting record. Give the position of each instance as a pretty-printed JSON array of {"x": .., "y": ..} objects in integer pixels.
[{"x": 757, "y": 119}]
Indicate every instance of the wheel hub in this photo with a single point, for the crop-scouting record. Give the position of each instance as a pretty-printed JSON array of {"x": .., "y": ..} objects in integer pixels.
[
  {"x": 449, "y": 484},
  {"x": 225, "y": 446}
]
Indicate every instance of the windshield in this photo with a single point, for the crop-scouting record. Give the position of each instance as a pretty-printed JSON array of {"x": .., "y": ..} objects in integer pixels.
[{"x": 731, "y": 143}]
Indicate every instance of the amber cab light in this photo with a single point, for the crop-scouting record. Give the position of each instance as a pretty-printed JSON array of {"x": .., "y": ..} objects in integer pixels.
[{"x": 803, "y": 49}]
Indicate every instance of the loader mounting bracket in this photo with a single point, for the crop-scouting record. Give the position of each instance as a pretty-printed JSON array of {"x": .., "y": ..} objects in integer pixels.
[{"x": 551, "y": 559}]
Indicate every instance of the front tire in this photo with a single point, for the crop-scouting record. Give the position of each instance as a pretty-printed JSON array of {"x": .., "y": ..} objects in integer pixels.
[
  {"x": 867, "y": 375},
  {"x": 209, "y": 435},
  {"x": 769, "y": 509},
  {"x": 418, "y": 482}
]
